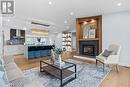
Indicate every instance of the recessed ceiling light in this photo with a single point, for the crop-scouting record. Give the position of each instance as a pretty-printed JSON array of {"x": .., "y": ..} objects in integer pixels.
[
  {"x": 119, "y": 4},
  {"x": 92, "y": 21},
  {"x": 50, "y": 3},
  {"x": 24, "y": 28},
  {"x": 8, "y": 20},
  {"x": 65, "y": 22},
  {"x": 71, "y": 13},
  {"x": 85, "y": 22}
]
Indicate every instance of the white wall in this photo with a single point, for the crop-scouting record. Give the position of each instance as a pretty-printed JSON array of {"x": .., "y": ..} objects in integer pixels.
[
  {"x": 6, "y": 33},
  {"x": 1, "y": 45},
  {"x": 16, "y": 24},
  {"x": 58, "y": 40},
  {"x": 74, "y": 40},
  {"x": 116, "y": 29}
]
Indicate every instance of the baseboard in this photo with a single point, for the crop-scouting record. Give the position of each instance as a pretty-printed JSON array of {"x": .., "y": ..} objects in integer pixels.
[
  {"x": 90, "y": 59},
  {"x": 124, "y": 64},
  {"x": 85, "y": 58},
  {"x": 14, "y": 54}
]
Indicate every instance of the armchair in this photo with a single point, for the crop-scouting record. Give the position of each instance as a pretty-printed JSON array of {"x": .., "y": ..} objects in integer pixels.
[{"x": 113, "y": 58}]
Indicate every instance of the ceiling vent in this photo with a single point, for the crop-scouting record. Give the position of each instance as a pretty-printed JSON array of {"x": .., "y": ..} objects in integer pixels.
[{"x": 42, "y": 24}]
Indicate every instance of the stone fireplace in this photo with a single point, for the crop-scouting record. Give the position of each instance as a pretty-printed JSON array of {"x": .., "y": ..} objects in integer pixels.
[{"x": 89, "y": 48}]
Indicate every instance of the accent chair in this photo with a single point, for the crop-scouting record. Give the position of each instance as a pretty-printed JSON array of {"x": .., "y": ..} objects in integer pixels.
[{"x": 112, "y": 59}]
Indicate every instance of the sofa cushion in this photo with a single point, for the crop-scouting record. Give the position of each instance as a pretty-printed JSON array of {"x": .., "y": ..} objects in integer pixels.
[
  {"x": 11, "y": 70},
  {"x": 106, "y": 53},
  {"x": 14, "y": 74},
  {"x": 10, "y": 66},
  {"x": 8, "y": 59}
]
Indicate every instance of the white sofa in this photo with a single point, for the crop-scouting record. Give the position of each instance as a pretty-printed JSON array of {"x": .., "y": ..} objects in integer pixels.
[{"x": 13, "y": 76}]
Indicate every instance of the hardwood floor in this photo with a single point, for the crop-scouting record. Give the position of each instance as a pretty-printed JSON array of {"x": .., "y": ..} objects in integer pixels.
[
  {"x": 24, "y": 64},
  {"x": 113, "y": 79}
]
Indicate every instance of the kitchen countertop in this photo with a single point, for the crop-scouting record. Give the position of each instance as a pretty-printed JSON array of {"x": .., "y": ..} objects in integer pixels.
[{"x": 38, "y": 45}]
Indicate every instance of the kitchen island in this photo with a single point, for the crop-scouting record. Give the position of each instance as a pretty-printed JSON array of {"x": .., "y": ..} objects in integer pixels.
[{"x": 37, "y": 51}]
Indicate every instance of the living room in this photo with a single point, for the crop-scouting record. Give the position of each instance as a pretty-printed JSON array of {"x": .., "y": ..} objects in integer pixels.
[{"x": 49, "y": 43}]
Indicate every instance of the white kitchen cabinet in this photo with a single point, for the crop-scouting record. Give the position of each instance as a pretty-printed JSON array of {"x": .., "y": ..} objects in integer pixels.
[{"x": 13, "y": 49}]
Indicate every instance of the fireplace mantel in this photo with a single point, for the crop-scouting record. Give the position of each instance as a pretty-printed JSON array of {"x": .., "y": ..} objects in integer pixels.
[
  {"x": 82, "y": 36},
  {"x": 87, "y": 39}
]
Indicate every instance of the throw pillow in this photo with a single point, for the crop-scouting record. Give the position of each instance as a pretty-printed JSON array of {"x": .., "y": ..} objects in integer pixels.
[{"x": 106, "y": 53}]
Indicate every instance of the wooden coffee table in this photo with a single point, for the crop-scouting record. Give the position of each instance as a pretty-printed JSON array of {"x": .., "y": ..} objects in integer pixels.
[{"x": 61, "y": 72}]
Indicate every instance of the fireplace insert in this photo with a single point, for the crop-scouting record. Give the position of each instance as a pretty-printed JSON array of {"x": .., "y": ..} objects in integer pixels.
[{"x": 89, "y": 48}]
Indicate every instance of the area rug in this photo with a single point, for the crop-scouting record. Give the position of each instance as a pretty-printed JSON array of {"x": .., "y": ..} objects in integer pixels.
[{"x": 88, "y": 75}]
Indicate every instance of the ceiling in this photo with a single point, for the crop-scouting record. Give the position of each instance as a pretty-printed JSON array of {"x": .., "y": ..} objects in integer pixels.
[{"x": 59, "y": 10}]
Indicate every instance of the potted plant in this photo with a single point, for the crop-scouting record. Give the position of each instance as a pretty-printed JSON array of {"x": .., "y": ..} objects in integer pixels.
[{"x": 59, "y": 51}]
